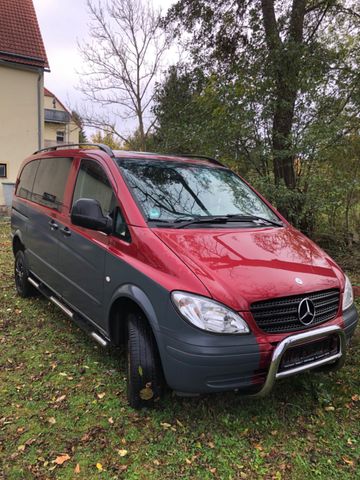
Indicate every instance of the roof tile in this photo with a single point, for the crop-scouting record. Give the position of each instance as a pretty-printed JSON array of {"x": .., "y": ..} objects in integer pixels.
[{"x": 20, "y": 36}]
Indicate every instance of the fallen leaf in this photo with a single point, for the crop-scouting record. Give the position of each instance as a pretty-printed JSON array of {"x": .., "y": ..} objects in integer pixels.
[
  {"x": 211, "y": 445},
  {"x": 146, "y": 393},
  {"x": 61, "y": 459},
  {"x": 60, "y": 399},
  {"x": 99, "y": 467},
  {"x": 348, "y": 461},
  {"x": 156, "y": 462},
  {"x": 122, "y": 452},
  {"x": 330, "y": 408},
  {"x": 188, "y": 461},
  {"x": 52, "y": 420},
  {"x": 21, "y": 448},
  {"x": 110, "y": 420},
  {"x": 165, "y": 425},
  {"x": 77, "y": 468},
  {"x": 355, "y": 398},
  {"x": 101, "y": 395}
]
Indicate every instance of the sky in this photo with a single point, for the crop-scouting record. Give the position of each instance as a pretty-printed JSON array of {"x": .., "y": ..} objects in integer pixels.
[{"x": 64, "y": 24}]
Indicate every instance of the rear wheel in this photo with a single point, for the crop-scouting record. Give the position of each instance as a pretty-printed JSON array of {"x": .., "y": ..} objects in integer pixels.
[
  {"x": 23, "y": 287},
  {"x": 144, "y": 373}
]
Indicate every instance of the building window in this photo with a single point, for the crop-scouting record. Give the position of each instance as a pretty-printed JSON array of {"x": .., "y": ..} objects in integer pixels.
[
  {"x": 3, "y": 170},
  {"x": 60, "y": 136}
]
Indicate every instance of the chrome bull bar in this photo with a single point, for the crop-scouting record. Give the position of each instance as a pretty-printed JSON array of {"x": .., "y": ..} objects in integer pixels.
[{"x": 335, "y": 360}]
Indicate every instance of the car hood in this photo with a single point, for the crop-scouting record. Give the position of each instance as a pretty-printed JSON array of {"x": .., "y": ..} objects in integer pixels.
[{"x": 241, "y": 266}]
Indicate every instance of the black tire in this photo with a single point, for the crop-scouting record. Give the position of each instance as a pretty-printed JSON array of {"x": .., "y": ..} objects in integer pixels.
[
  {"x": 144, "y": 372},
  {"x": 23, "y": 287}
]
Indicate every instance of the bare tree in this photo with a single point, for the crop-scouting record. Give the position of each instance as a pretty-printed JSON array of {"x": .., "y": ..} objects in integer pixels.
[{"x": 123, "y": 58}]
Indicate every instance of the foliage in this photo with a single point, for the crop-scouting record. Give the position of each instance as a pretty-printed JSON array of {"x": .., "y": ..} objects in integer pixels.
[
  {"x": 80, "y": 123},
  {"x": 106, "y": 138},
  {"x": 272, "y": 88},
  {"x": 64, "y": 412}
]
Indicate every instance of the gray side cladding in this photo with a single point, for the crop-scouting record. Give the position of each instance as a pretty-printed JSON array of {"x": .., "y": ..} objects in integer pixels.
[
  {"x": 351, "y": 319},
  {"x": 193, "y": 360}
]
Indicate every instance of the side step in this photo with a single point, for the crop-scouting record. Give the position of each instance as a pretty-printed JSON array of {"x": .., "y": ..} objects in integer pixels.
[
  {"x": 81, "y": 322},
  {"x": 33, "y": 283},
  {"x": 99, "y": 339},
  {"x": 68, "y": 312}
]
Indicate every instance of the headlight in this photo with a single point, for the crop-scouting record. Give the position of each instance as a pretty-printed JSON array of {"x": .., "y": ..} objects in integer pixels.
[
  {"x": 208, "y": 314},
  {"x": 348, "y": 297}
]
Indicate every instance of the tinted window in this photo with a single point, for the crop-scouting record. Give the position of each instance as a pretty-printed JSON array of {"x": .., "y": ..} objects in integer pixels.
[
  {"x": 92, "y": 182},
  {"x": 26, "y": 182},
  {"x": 50, "y": 181}
]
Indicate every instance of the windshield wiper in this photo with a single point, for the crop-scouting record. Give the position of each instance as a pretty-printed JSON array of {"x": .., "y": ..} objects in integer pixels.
[
  {"x": 229, "y": 218},
  {"x": 255, "y": 218}
]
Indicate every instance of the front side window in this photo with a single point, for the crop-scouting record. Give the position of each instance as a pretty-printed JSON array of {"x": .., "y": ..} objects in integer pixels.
[
  {"x": 92, "y": 182},
  {"x": 50, "y": 181},
  {"x": 167, "y": 192}
]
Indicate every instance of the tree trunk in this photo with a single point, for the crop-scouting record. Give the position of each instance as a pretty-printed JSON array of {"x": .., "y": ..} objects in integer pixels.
[
  {"x": 281, "y": 136},
  {"x": 285, "y": 59}
]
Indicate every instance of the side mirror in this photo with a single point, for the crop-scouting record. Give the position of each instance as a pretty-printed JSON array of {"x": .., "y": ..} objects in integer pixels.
[{"x": 87, "y": 213}]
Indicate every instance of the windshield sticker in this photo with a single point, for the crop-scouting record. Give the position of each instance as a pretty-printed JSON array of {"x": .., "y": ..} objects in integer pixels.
[{"x": 154, "y": 213}]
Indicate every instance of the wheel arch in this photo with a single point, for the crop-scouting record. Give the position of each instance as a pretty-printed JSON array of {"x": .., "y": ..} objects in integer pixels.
[
  {"x": 129, "y": 298},
  {"x": 17, "y": 243}
]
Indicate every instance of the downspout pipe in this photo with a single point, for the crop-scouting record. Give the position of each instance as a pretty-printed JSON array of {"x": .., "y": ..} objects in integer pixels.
[{"x": 39, "y": 98}]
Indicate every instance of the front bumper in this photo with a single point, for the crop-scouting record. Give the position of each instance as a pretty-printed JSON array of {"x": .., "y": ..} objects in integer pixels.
[{"x": 196, "y": 362}]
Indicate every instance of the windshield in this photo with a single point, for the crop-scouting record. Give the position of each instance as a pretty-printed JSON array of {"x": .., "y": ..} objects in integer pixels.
[{"x": 168, "y": 192}]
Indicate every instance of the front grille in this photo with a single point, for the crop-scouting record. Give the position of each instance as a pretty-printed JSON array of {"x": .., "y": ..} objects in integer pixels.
[{"x": 280, "y": 315}]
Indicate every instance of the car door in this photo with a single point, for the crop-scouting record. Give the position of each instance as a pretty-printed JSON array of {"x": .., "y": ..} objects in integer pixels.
[
  {"x": 82, "y": 251},
  {"x": 44, "y": 207}
]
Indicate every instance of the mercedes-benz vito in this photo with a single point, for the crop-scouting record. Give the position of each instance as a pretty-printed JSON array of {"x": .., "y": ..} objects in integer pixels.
[{"x": 181, "y": 260}]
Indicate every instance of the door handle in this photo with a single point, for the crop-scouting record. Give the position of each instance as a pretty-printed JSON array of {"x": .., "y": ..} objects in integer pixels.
[
  {"x": 66, "y": 231},
  {"x": 53, "y": 225}
]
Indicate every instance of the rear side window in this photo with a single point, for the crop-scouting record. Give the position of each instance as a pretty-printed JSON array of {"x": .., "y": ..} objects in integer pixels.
[
  {"x": 50, "y": 181},
  {"x": 92, "y": 182},
  {"x": 26, "y": 181}
]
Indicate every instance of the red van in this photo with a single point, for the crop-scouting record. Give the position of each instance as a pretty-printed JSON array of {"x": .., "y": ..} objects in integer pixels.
[{"x": 178, "y": 258}]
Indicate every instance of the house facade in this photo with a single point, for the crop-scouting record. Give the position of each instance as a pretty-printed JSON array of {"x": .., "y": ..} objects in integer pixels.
[
  {"x": 59, "y": 124},
  {"x": 23, "y": 61}
]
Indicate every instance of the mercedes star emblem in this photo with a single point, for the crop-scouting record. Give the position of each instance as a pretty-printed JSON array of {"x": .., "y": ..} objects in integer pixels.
[{"x": 306, "y": 311}]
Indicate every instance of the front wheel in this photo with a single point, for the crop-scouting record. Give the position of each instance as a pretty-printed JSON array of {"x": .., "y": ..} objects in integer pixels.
[
  {"x": 144, "y": 372},
  {"x": 23, "y": 287}
]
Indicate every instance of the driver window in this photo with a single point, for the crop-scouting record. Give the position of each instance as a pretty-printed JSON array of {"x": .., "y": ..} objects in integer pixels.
[{"x": 92, "y": 182}]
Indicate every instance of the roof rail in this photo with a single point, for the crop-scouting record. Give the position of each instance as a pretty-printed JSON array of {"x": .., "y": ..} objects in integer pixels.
[
  {"x": 187, "y": 155},
  {"x": 210, "y": 159},
  {"x": 100, "y": 146}
]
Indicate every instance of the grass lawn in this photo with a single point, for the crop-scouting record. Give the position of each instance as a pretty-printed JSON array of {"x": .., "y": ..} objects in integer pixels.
[{"x": 64, "y": 415}]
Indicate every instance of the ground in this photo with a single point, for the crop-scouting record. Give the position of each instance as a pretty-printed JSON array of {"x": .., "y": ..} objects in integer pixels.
[{"x": 64, "y": 415}]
